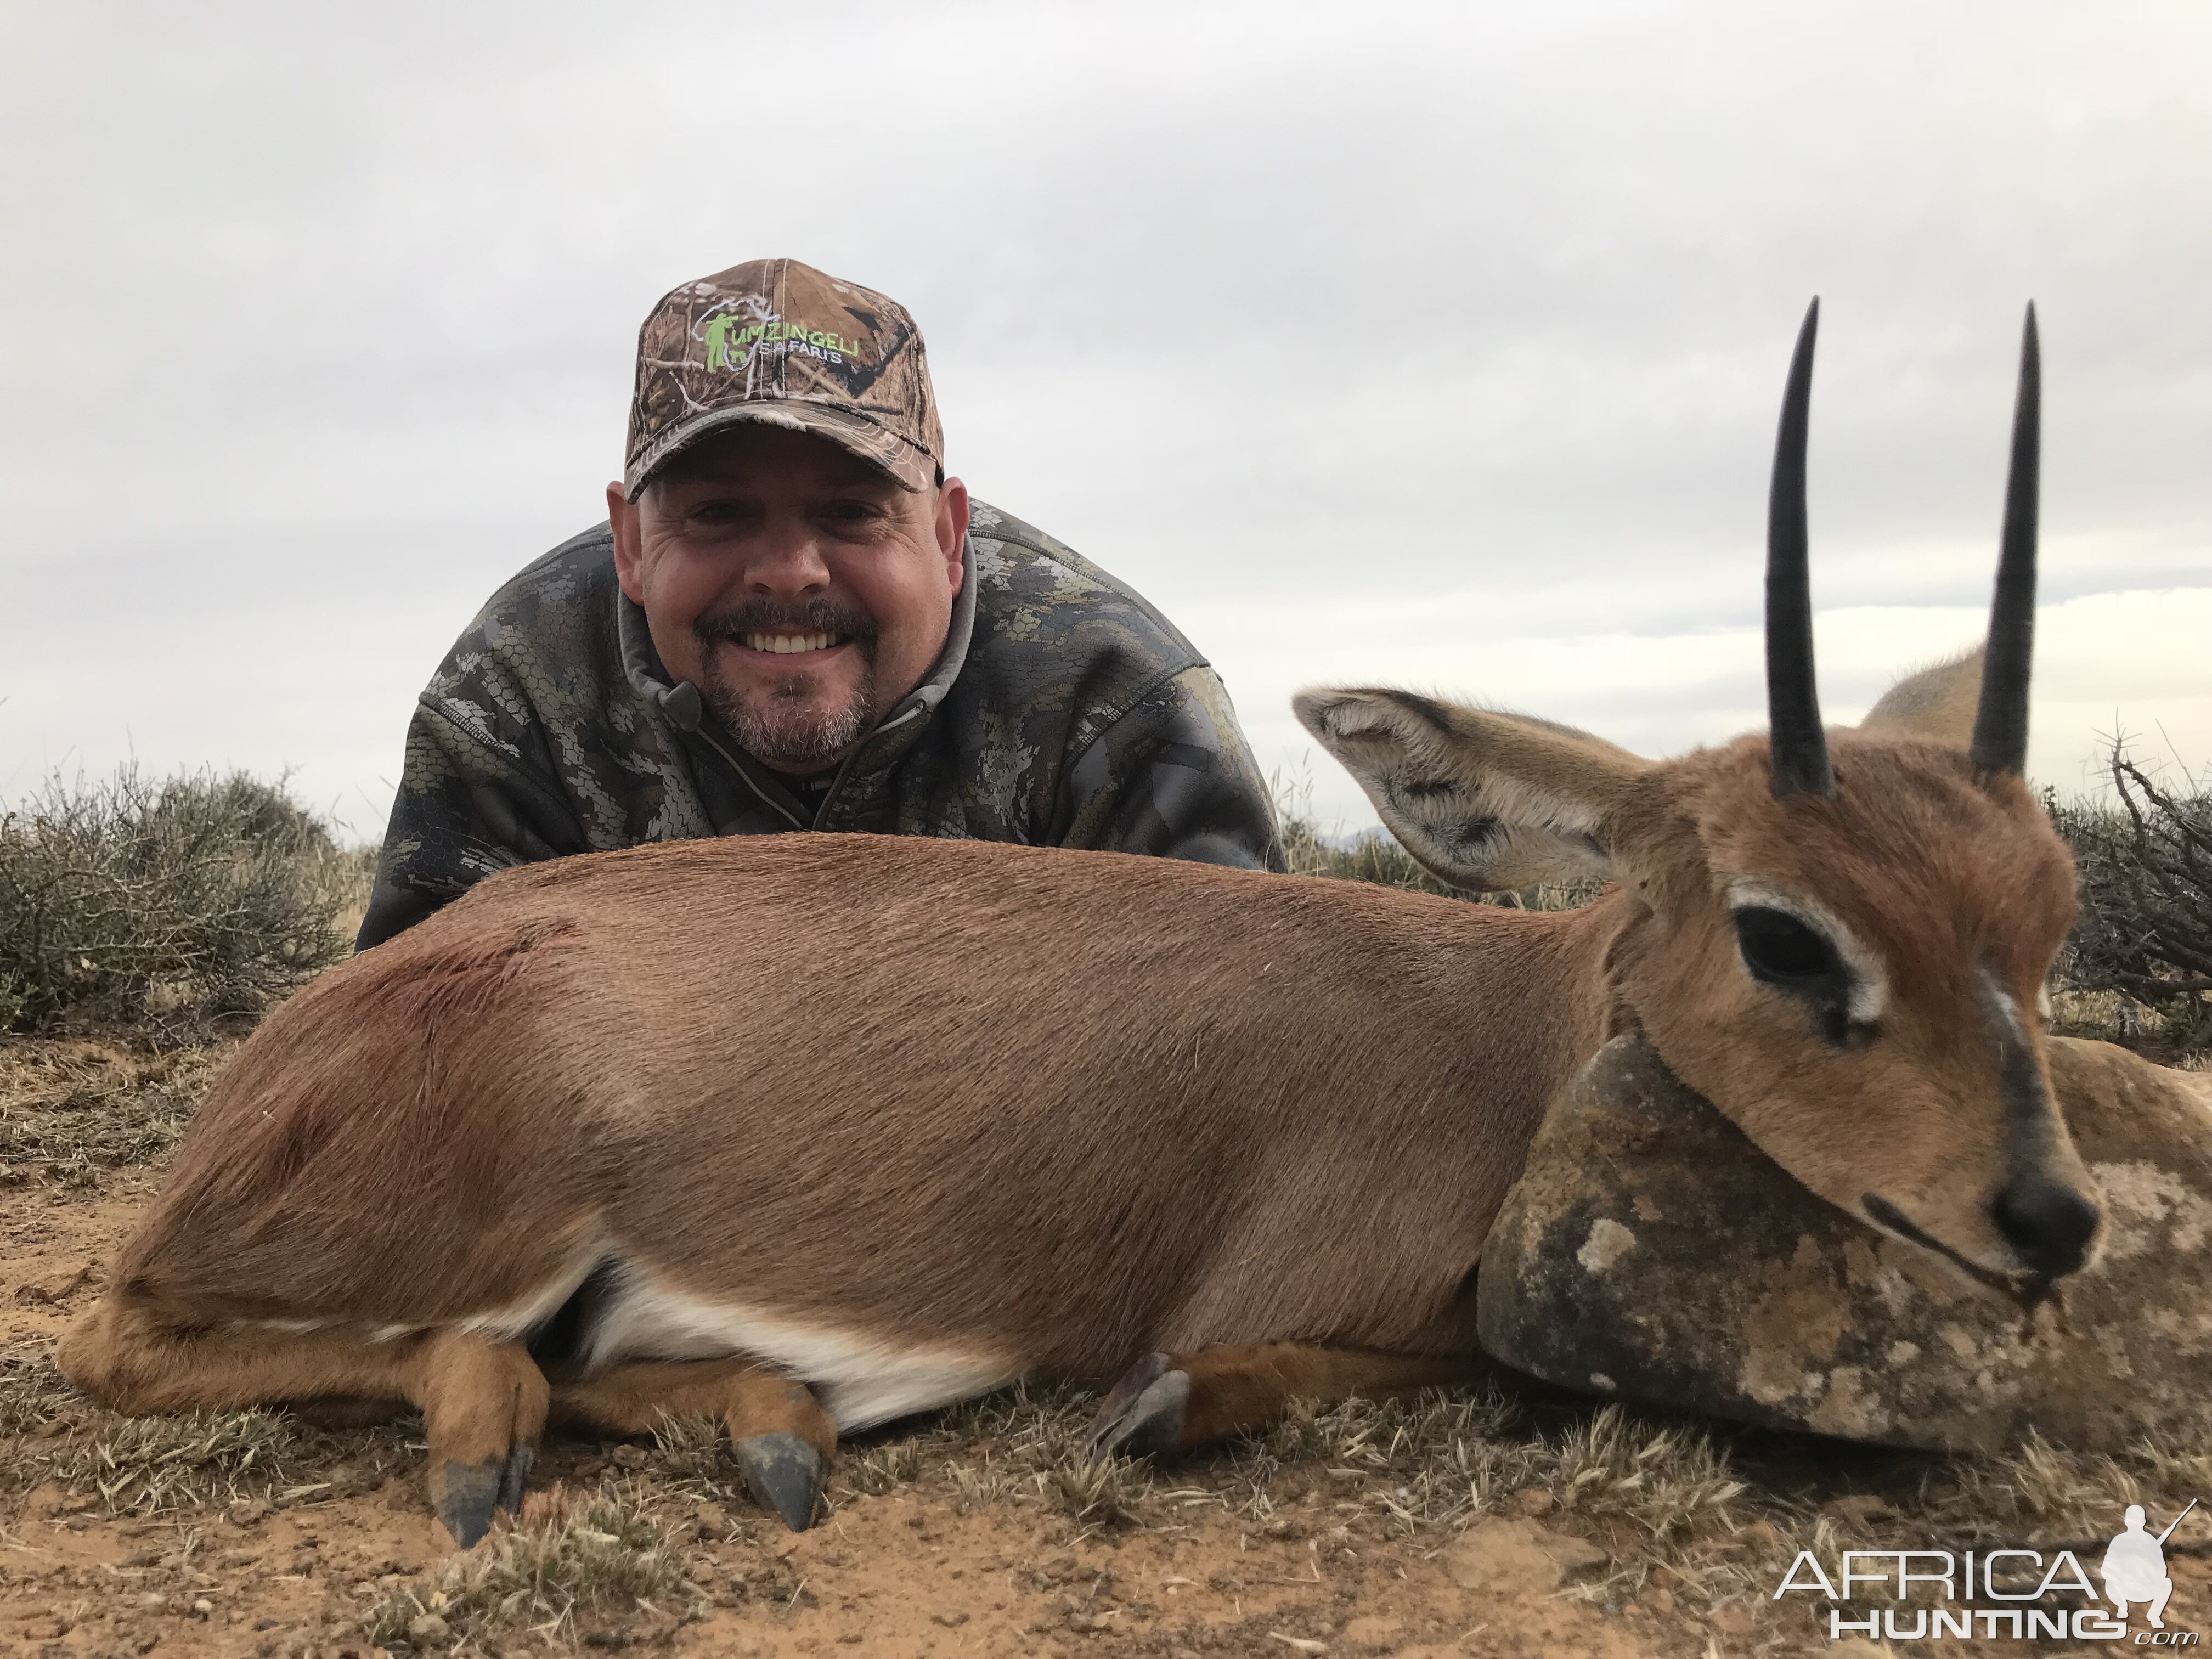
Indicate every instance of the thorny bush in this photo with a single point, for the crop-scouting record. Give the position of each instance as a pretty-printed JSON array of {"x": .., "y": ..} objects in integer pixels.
[
  {"x": 2146, "y": 872},
  {"x": 167, "y": 901}
]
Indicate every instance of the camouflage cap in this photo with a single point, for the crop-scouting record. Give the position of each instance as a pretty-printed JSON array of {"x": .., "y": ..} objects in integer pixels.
[{"x": 780, "y": 344}]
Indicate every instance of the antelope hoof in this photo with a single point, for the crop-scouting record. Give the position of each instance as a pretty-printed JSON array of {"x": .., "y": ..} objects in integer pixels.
[
  {"x": 468, "y": 1495},
  {"x": 1143, "y": 1416},
  {"x": 784, "y": 1473}
]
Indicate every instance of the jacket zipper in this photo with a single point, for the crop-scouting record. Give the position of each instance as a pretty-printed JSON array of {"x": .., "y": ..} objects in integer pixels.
[{"x": 836, "y": 783}]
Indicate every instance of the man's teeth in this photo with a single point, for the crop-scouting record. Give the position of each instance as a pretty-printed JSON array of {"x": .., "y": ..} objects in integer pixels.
[{"x": 783, "y": 644}]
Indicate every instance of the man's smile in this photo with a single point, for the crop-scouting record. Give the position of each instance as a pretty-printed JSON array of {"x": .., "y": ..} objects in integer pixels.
[{"x": 814, "y": 645}]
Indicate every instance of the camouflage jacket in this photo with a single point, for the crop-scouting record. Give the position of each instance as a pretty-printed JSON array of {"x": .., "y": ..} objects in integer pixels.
[{"x": 1064, "y": 711}]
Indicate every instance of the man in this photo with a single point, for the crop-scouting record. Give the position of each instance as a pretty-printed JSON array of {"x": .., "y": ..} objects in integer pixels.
[
  {"x": 2134, "y": 1569},
  {"x": 793, "y": 620}
]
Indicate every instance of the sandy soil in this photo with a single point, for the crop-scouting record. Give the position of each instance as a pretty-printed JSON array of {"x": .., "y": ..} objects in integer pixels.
[
  {"x": 905, "y": 1572},
  {"x": 946, "y": 1539}
]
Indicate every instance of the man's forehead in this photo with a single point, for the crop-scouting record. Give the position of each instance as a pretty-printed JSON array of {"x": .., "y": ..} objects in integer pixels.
[{"x": 751, "y": 454}]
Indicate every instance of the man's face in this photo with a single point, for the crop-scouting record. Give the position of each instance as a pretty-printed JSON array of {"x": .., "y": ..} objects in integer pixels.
[{"x": 798, "y": 588}]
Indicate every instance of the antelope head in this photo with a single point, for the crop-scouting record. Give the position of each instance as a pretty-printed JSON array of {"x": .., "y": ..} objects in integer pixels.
[{"x": 1839, "y": 938}]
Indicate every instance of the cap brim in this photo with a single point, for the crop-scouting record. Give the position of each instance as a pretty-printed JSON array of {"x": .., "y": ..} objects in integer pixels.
[{"x": 906, "y": 465}]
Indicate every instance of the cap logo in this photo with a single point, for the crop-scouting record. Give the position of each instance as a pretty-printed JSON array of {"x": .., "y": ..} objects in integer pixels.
[
  {"x": 732, "y": 344},
  {"x": 838, "y": 361}
]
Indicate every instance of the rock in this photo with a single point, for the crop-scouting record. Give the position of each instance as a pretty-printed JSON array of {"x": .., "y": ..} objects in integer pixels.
[
  {"x": 429, "y": 1630},
  {"x": 1650, "y": 1252},
  {"x": 1500, "y": 1557}
]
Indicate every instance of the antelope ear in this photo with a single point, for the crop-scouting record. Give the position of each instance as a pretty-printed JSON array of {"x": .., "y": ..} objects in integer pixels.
[
  {"x": 1487, "y": 800},
  {"x": 1937, "y": 703}
]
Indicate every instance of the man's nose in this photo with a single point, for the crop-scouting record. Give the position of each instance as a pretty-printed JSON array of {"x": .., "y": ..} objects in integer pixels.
[{"x": 786, "y": 561}]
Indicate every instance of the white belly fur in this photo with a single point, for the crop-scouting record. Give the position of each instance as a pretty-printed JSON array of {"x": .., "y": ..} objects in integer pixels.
[{"x": 861, "y": 1379}]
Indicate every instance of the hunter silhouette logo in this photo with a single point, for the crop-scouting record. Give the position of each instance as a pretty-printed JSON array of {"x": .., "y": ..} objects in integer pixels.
[
  {"x": 732, "y": 341},
  {"x": 2019, "y": 1595},
  {"x": 2135, "y": 1567}
]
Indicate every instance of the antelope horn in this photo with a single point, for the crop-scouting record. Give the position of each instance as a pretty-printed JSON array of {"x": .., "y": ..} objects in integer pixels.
[
  {"x": 2000, "y": 742},
  {"x": 1798, "y": 747}
]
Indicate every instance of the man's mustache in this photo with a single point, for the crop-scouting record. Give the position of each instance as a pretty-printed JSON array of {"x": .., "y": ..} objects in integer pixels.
[{"x": 768, "y": 616}]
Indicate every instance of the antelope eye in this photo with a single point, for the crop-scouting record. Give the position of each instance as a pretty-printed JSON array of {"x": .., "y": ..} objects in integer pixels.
[{"x": 1782, "y": 950}]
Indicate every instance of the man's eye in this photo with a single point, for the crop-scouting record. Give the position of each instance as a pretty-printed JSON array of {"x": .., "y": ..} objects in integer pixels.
[{"x": 848, "y": 512}]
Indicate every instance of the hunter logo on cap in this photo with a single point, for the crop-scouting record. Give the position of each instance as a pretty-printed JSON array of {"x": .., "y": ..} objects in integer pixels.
[
  {"x": 732, "y": 343},
  {"x": 779, "y": 342}
]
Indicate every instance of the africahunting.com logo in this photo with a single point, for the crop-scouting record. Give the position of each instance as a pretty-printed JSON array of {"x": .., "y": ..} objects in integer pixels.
[{"x": 2022, "y": 1594}]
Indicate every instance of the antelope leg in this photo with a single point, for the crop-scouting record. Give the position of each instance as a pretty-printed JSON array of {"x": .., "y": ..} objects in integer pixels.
[
  {"x": 783, "y": 1438},
  {"x": 483, "y": 1402},
  {"x": 1172, "y": 1403}
]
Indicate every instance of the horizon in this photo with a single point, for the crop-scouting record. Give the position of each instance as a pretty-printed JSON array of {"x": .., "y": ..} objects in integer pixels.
[{"x": 1445, "y": 355}]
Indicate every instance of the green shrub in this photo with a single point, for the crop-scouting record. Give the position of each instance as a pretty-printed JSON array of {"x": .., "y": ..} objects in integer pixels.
[{"x": 170, "y": 902}]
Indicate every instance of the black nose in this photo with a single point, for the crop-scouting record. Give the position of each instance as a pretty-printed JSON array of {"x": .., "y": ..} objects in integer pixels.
[{"x": 2048, "y": 1223}]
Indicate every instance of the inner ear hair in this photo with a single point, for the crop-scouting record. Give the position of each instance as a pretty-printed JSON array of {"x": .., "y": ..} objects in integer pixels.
[
  {"x": 1487, "y": 800},
  {"x": 1937, "y": 702}
]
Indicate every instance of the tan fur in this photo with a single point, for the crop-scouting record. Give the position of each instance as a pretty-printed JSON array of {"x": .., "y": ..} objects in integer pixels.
[
  {"x": 436, "y": 1129},
  {"x": 981, "y": 1109},
  {"x": 1490, "y": 800},
  {"x": 1939, "y": 872},
  {"x": 1233, "y": 1390},
  {"x": 1942, "y": 875},
  {"x": 632, "y": 1399},
  {"x": 1938, "y": 703}
]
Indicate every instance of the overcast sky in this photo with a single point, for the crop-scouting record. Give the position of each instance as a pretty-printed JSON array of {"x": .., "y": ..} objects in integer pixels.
[{"x": 1433, "y": 345}]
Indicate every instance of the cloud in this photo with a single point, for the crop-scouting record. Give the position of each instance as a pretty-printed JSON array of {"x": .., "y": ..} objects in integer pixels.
[{"x": 1440, "y": 343}]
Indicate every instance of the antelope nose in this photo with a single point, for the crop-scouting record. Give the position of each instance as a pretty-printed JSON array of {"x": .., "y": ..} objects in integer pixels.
[{"x": 2048, "y": 1223}]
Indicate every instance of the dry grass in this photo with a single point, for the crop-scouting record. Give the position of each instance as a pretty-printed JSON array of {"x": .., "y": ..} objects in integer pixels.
[
  {"x": 1706, "y": 1512},
  {"x": 147, "y": 1466},
  {"x": 72, "y": 1111},
  {"x": 608, "y": 1558},
  {"x": 150, "y": 1466},
  {"x": 1709, "y": 1514},
  {"x": 1711, "y": 1511}
]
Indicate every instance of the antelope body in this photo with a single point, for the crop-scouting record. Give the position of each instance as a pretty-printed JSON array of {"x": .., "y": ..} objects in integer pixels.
[{"x": 817, "y": 1131}]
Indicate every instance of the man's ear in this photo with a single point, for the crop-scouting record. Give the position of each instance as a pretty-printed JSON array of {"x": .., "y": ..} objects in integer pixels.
[
  {"x": 629, "y": 569},
  {"x": 1938, "y": 703},
  {"x": 1487, "y": 801},
  {"x": 952, "y": 525}
]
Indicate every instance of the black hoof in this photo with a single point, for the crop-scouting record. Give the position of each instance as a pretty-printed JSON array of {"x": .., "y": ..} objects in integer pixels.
[
  {"x": 1143, "y": 1416},
  {"x": 471, "y": 1493},
  {"x": 468, "y": 1498},
  {"x": 785, "y": 1474},
  {"x": 514, "y": 1478}
]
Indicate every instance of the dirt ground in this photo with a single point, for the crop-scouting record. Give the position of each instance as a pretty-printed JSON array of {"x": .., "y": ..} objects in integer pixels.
[{"x": 1462, "y": 1525}]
